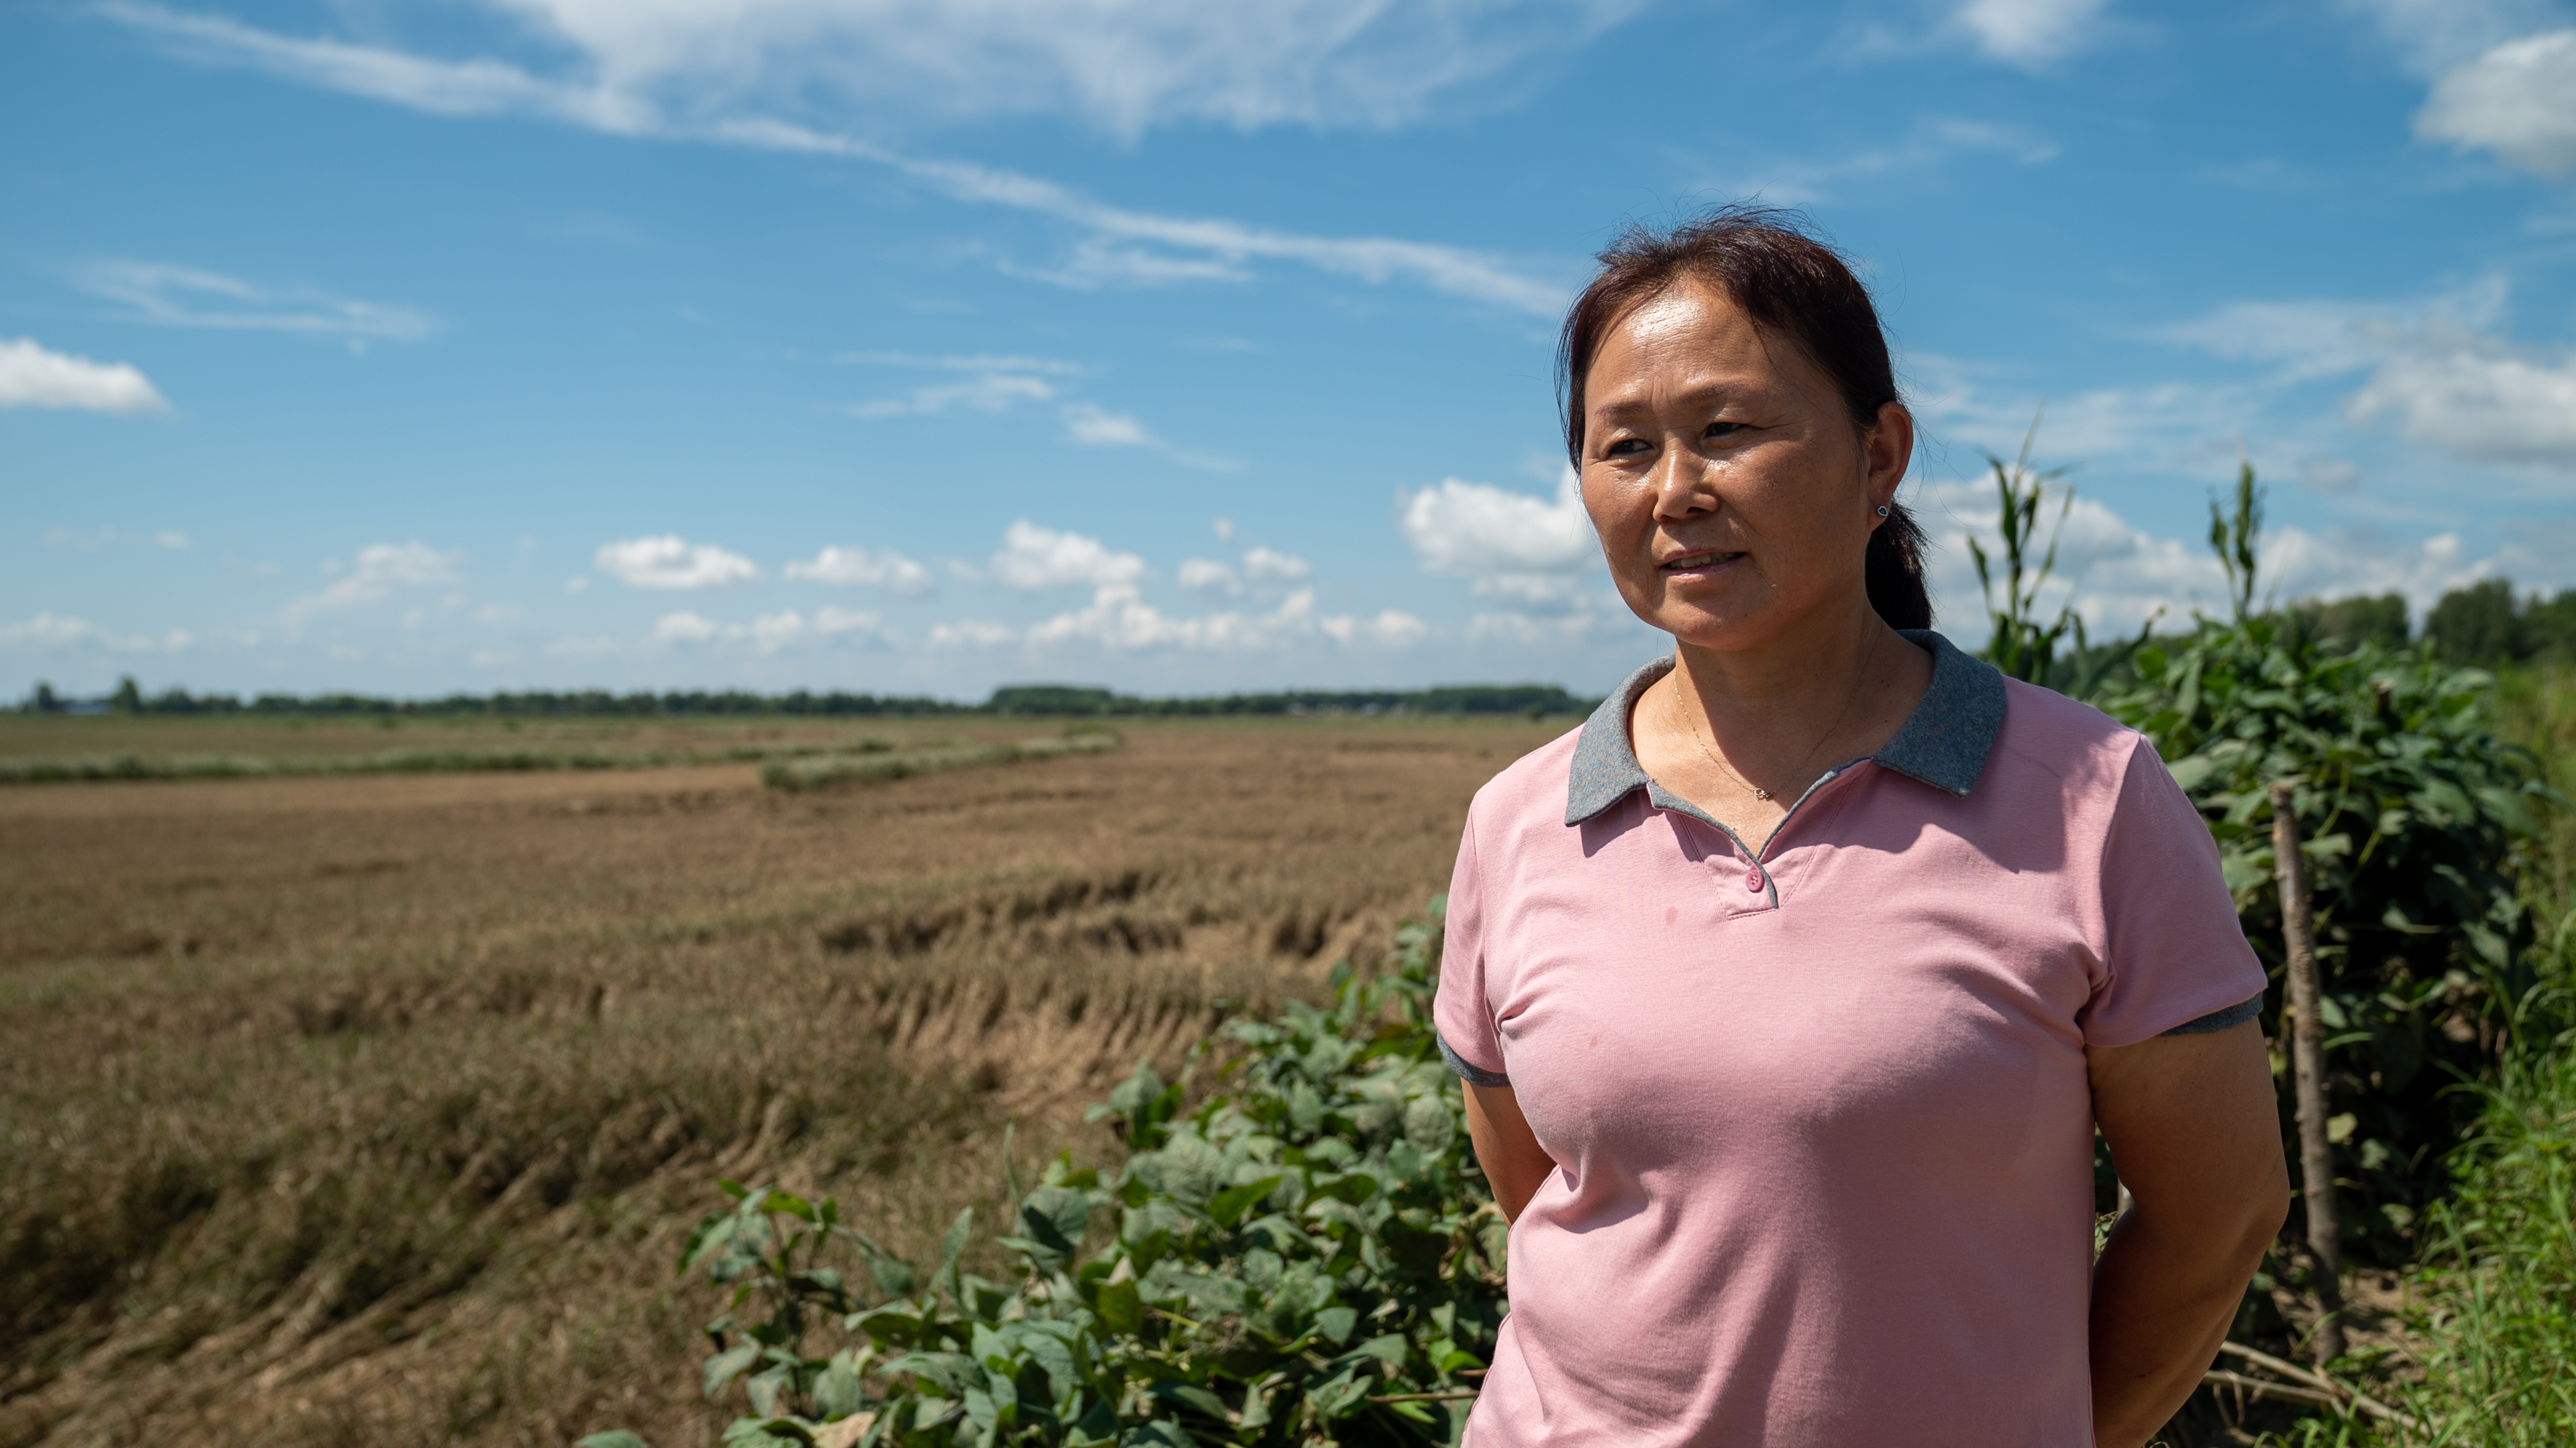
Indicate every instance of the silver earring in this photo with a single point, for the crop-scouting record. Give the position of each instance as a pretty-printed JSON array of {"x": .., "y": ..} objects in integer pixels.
[{"x": 1882, "y": 510}]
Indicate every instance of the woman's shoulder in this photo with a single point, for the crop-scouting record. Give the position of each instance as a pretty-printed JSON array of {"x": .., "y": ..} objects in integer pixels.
[
  {"x": 2067, "y": 738},
  {"x": 1532, "y": 786}
]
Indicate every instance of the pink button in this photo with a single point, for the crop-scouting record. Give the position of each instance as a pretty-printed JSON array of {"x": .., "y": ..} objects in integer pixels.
[{"x": 1753, "y": 881}]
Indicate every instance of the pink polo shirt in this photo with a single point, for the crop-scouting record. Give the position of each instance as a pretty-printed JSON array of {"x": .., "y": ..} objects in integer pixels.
[{"x": 1823, "y": 1136}]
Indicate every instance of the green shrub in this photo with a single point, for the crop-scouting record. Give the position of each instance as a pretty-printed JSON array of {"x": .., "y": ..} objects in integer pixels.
[
  {"x": 1309, "y": 1255},
  {"x": 2413, "y": 816}
]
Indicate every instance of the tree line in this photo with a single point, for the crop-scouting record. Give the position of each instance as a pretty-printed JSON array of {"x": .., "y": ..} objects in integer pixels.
[{"x": 1009, "y": 701}]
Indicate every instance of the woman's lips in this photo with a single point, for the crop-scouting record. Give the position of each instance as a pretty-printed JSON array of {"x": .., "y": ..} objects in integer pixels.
[{"x": 1700, "y": 564}]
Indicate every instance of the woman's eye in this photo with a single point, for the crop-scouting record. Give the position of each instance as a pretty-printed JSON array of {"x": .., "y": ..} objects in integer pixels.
[
  {"x": 1722, "y": 429},
  {"x": 1625, "y": 447}
]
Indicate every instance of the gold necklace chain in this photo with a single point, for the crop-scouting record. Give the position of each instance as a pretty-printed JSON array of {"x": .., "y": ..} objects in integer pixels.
[{"x": 1708, "y": 745}]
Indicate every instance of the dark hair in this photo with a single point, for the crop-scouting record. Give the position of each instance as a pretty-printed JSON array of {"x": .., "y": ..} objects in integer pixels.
[{"x": 1767, "y": 261}]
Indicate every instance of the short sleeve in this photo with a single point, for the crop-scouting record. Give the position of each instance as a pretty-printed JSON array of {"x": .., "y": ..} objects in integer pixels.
[
  {"x": 2174, "y": 954},
  {"x": 1461, "y": 1011}
]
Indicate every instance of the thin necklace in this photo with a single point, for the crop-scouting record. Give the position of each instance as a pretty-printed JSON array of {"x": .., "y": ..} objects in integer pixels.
[{"x": 1708, "y": 745}]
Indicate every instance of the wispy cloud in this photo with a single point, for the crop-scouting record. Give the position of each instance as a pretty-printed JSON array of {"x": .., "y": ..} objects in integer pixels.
[
  {"x": 1000, "y": 384},
  {"x": 1122, "y": 66},
  {"x": 49, "y": 631},
  {"x": 379, "y": 571},
  {"x": 992, "y": 392},
  {"x": 1096, "y": 426},
  {"x": 769, "y": 632},
  {"x": 178, "y": 296},
  {"x": 2438, "y": 372},
  {"x": 2431, "y": 36},
  {"x": 1155, "y": 246},
  {"x": 33, "y": 376},
  {"x": 1931, "y": 142},
  {"x": 2028, "y": 32}
]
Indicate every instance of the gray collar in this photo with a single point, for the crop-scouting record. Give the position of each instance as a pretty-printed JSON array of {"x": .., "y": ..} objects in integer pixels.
[{"x": 1943, "y": 743}]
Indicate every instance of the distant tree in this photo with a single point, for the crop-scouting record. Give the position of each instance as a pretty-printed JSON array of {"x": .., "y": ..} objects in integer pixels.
[
  {"x": 2362, "y": 619},
  {"x": 2476, "y": 625},
  {"x": 2549, "y": 629},
  {"x": 45, "y": 700},
  {"x": 127, "y": 699}
]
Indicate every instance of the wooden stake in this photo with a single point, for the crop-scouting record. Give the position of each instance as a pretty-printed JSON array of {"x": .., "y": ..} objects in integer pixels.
[{"x": 2308, "y": 1067}]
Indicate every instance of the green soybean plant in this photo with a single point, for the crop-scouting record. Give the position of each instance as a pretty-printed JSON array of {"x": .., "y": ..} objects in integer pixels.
[
  {"x": 2415, "y": 818},
  {"x": 1308, "y": 1256}
]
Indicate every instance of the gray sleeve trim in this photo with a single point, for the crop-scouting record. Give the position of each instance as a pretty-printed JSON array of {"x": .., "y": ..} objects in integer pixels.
[
  {"x": 1468, "y": 1071},
  {"x": 2235, "y": 1015}
]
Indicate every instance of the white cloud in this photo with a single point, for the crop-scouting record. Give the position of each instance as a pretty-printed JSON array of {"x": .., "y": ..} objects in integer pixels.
[
  {"x": 379, "y": 570},
  {"x": 686, "y": 627},
  {"x": 58, "y": 631},
  {"x": 2431, "y": 36},
  {"x": 1207, "y": 575},
  {"x": 1268, "y": 565},
  {"x": 1033, "y": 557},
  {"x": 2436, "y": 373},
  {"x": 2517, "y": 100},
  {"x": 1118, "y": 618},
  {"x": 768, "y": 633},
  {"x": 1097, "y": 427},
  {"x": 2477, "y": 399},
  {"x": 973, "y": 633},
  {"x": 2119, "y": 574},
  {"x": 177, "y": 296},
  {"x": 739, "y": 41},
  {"x": 2028, "y": 32},
  {"x": 1390, "y": 628},
  {"x": 172, "y": 538},
  {"x": 858, "y": 567},
  {"x": 1502, "y": 541},
  {"x": 496, "y": 613},
  {"x": 1262, "y": 568},
  {"x": 33, "y": 376},
  {"x": 672, "y": 562}
]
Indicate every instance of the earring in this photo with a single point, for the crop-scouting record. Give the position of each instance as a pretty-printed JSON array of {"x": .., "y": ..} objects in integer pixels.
[{"x": 1882, "y": 510}]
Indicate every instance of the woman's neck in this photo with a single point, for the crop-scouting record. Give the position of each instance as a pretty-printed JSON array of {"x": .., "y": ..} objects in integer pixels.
[
  {"x": 1743, "y": 732},
  {"x": 1798, "y": 681}
]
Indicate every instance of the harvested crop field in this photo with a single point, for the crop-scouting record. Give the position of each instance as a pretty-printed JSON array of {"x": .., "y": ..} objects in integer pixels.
[{"x": 373, "y": 1108}]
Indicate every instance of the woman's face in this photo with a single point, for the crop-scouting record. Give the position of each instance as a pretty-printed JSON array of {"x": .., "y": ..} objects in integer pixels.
[{"x": 1732, "y": 494}]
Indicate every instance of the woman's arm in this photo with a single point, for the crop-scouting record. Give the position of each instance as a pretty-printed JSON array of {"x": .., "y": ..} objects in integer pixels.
[
  {"x": 2197, "y": 1137},
  {"x": 1515, "y": 1164}
]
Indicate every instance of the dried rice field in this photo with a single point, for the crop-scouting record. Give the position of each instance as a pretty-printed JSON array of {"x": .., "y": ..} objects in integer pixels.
[{"x": 373, "y": 1108}]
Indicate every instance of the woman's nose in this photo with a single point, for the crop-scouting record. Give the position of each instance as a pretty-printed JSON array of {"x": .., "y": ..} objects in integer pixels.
[{"x": 1681, "y": 484}]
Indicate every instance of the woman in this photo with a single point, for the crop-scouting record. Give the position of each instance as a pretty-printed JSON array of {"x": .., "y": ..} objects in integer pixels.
[{"x": 1789, "y": 991}]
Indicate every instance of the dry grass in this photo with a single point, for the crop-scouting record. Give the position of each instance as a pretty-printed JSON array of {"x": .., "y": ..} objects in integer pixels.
[{"x": 374, "y": 1109}]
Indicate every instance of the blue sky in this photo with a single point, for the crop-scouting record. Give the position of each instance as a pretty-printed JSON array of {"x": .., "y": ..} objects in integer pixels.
[{"x": 477, "y": 344}]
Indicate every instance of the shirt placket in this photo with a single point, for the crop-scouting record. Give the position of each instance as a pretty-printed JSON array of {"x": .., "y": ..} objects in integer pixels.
[{"x": 1759, "y": 878}]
